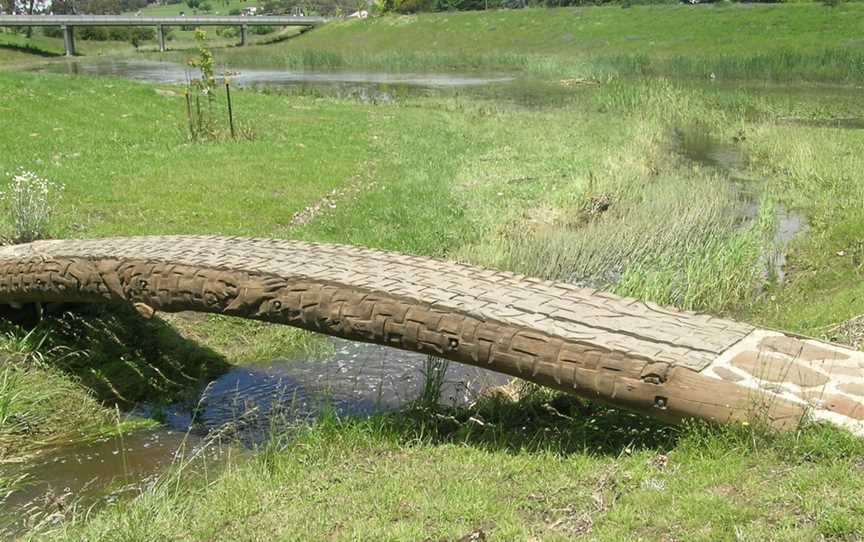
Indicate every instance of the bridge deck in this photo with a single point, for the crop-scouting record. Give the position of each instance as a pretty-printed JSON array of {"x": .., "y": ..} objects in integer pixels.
[{"x": 664, "y": 362}]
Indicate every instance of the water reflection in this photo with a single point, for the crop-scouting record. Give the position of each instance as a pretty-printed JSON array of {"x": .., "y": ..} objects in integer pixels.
[
  {"x": 356, "y": 379},
  {"x": 156, "y": 71}
]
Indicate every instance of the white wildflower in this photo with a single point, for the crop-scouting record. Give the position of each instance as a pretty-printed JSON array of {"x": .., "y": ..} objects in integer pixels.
[{"x": 30, "y": 201}]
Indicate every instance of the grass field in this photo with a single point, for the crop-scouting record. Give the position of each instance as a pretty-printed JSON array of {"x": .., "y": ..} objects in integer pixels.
[{"x": 609, "y": 183}]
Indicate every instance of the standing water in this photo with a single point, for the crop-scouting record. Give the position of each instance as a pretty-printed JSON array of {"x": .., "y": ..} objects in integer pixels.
[
  {"x": 243, "y": 406},
  {"x": 697, "y": 145},
  {"x": 157, "y": 71}
]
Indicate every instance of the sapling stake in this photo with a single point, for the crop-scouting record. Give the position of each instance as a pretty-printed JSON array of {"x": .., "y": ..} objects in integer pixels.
[{"x": 230, "y": 109}]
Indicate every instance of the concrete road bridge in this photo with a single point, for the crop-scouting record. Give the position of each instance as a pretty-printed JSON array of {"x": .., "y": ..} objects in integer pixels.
[
  {"x": 659, "y": 361},
  {"x": 69, "y": 22}
]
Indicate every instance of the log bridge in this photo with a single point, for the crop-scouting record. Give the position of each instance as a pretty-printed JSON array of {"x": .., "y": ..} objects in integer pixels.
[
  {"x": 663, "y": 362},
  {"x": 69, "y": 22}
]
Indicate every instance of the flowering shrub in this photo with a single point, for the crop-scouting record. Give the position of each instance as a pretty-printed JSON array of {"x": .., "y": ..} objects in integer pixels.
[{"x": 30, "y": 201}]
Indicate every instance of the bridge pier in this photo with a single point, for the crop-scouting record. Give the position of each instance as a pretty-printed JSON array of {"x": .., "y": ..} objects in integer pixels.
[
  {"x": 69, "y": 39},
  {"x": 243, "y": 34},
  {"x": 160, "y": 32}
]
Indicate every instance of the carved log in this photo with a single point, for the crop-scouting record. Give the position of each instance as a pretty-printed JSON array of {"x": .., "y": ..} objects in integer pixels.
[{"x": 666, "y": 363}]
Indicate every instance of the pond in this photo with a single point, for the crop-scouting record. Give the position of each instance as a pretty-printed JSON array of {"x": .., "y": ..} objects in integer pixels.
[{"x": 164, "y": 72}]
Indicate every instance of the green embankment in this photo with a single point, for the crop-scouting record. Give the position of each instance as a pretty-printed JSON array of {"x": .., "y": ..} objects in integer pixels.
[
  {"x": 743, "y": 41},
  {"x": 721, "y": 29},
  {"x": 783, "y": 42},
  {"x": 219, "y": 7}
]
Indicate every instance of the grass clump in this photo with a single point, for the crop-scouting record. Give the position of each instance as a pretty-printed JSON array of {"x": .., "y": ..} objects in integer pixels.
[{"x": 39, "y": 405}]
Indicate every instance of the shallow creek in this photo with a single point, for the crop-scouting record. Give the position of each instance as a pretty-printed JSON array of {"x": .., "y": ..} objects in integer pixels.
[
  {"x": 240, "y": 408},
  {"x": 701, "y": 147}
]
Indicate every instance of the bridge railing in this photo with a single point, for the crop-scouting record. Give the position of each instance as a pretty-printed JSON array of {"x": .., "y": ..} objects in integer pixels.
[
  {"x": 68, "y": 22},
  {"x": 192, "y": 20}
]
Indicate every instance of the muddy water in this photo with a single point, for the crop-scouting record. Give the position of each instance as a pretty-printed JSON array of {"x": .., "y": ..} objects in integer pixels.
[
  {"x": 240, "y": 407},
  {"x": 698, "y": 145}
]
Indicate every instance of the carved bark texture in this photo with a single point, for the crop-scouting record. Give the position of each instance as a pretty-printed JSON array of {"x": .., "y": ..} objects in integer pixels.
[{"x": 621, "y": 351}]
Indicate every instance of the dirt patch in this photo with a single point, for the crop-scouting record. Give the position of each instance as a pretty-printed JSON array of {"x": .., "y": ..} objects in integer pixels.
[
  {"x": 574, "y": 510},
  {"x": 849, "y": 332},
  {"x": 540, "y": 219},
  {"x": 328, "y": 202}
]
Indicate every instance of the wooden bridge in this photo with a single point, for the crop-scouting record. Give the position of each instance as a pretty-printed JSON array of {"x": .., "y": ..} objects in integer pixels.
[
  {"x": 659, "y": 361},
  {"x": 68, "y": 22}
]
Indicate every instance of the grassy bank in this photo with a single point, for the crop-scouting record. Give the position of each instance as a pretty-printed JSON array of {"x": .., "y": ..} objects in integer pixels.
[
  {"x": 773, "y": 42},
  {"x": 512, "y": 472},
  {"x": 779, "y": 42}
]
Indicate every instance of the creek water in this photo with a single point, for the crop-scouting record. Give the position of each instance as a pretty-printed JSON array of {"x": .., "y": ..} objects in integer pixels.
[
  {"x": 240, "y": 407},
  {"x": 698, "y": 145}
]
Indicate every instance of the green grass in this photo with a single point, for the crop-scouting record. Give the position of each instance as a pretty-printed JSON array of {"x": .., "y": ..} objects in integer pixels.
[
  {"x": 524, "y": 473},
  {"x": 785, "y": 42}
]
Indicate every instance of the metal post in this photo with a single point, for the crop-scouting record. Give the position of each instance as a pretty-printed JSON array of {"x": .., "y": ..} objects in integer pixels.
[
  {"x": 160, "y": 31},
  {"x": 69, "y": 39},
  {"x": 243, "y": 30}
]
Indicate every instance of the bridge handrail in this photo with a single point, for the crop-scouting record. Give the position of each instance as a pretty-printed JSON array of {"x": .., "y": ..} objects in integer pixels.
[{"x": 130, "y": 20}]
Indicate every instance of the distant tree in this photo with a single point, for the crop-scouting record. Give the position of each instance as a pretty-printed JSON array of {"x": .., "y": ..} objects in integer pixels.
[
  {"x": 133, "y": 5},
  {"x": 90, "y": 7},
  {"x": 9, "y": 6},
  {"x": 193, "y": 4}
]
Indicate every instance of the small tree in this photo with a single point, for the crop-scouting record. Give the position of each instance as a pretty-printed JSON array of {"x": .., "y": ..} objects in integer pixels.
[{"x": 200, "y": 90}]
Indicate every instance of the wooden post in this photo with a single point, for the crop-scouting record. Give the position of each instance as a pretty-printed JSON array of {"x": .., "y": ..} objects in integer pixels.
[
  {"x": 69, "y": 39},
  {"x": 230, "y": 109},
  {"x": 160, "y": 31}
]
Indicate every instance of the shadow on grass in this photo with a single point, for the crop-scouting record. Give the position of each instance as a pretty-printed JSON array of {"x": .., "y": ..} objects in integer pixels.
[
  {"x": 30, "y": 50},
  {"x": 543, "y": 422},
  {"x": 552, "y": 422},
  {"x": 123, "y": 358}
]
